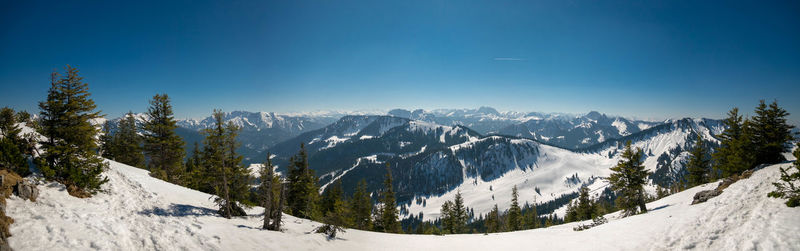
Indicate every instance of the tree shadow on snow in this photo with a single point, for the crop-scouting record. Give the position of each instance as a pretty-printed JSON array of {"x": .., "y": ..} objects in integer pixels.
[
  {"x": 659, "y": 207},
  {"x": 180, "y": 210}
]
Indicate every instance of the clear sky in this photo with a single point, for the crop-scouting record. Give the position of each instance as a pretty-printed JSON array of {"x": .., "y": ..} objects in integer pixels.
[{"x": 660, "y": 59}]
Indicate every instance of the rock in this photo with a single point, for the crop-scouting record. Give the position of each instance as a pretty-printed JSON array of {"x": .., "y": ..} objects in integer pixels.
[
  {"x": 705, "y": 195},
  {"x": 26, "y": 190}
]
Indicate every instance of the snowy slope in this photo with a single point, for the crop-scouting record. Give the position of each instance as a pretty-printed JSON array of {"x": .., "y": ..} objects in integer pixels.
[{"x": 138, "y": 212}]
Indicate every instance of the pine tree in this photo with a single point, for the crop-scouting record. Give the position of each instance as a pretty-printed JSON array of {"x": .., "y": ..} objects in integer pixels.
[
  {"x": 585, "y": 207},
  {"x": 107, "y": 147},
  {"x": 302, "y": 192},
  {"x": 790, "y": 187},
  {"x": 493, "y": 220},
  {"x": 514, "y": 213},
  {"x": 164, "y": 148},
  {"x": 698, "y": 167},
  {"x": 534, "y": 216},
  {"x": 735, "y": 153},
  {"x": 229, "y": 178},
  {"x": 770, "y": 133},
  {"x": 388, "y": 213},
  {"x": 12, "y": 157},
  {"x": 128, "y": 142},
  {"x": 627, "y": 179},
  {"x": 278, "y": 212},
  {"x": 70, "y": 152},
  {"x": 332, "y": 194},
  {"x": 361, "y": 207},
  {"x": 265, "y": 188},
  {"x": 337, "y": 215},
  {"x": 194, "y": 170},
  {"x": 8, "y": 125}
]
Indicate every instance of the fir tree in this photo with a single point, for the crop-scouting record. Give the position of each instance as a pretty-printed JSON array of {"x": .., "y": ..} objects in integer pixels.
[
  {"x": 128, "y": 142},
  {"x": 770, "y": 133},
  {"x": 532, "y": 217},
  {"x": 12, "y": 157},
  {"x": 223, "y": 165},
  {"x": 70, "y": 152},
  {"x": 514, "y": 213},
  {"x": 361, "y": 207},
  {"x": 698, "y": 167},
  {"x": 789, "y": 187},
  {"x": 278, "y": 212},
  {"x": 194, "y": 170},
  {"x": 388, "y": 213},
  {"x": 585, "y": 208},
  {"x": 107, "y": 143},
  {"x": 8, "y": 125},
  {"x": 164, "y": 148},
  {"x": 493, "y": 220},
  {"x": 265, "y": 188},
  {"x": 454, "y": 215},
  {"x": 302, "y": 192},
  {"x": 332, "y": 194},
  {"x": 627, "y": 179},
  {"x": 735, "y": 153}
]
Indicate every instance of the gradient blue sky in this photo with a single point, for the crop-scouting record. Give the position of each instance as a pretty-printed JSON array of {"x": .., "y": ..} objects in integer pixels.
[{"x": 659, "y": 59}]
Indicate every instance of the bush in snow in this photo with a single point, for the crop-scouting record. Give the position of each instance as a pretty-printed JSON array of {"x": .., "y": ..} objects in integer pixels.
[{"x": 789, "y": 189}]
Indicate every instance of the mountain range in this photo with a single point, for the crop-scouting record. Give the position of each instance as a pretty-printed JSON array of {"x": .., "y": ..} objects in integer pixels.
[{"x": 433, "y": 154}]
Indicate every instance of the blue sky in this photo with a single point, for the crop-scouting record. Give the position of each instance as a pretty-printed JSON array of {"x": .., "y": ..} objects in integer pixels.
[{"x": 661, "y": 59}]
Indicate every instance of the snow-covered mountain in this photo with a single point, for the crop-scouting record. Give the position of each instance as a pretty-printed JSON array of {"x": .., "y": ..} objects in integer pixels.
[
  {"x": 139, "y": 212},
  {"x": 563, "y": 130},
  {"x": 483, "y": 120},
  {"x": 579, "y": 131},
  {"x": 431, "y": 162}
]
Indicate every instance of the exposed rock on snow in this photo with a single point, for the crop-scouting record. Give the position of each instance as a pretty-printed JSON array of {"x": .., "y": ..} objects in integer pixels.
[{"x": 704, "y": 195}]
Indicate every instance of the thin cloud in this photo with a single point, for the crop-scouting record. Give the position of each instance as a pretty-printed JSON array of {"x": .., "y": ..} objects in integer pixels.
[{"x": 510, "y": 59}]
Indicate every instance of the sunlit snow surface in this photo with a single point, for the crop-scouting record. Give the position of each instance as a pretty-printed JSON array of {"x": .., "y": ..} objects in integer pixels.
[{"x": 138, "y": 212}]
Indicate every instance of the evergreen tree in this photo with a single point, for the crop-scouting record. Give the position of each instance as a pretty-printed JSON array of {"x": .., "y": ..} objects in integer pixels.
[
  {"x": 278, "y": 212},
  {"x": 107, "y": 143},
  {"x": 12, "y": 157},
  {"x": 361, "y": 207},
  {"x": 532, "y": 217},
  {"x": 493, "y": 220},
  {"x": 698, "y": 167},
  {"x": 70, "y": 151},
  {"x": 302, "y": 192},
  {"x": 8, "y": 125},
  {"x": 164, "y": 148},
  {"x": 514, "y": 213},
  {"x": 194, "y": 170},
  {"x": 585, "y": 206},
  {"x": 337, "y": 215},
  {"x": 770, "y": 133},
  {"x": 735, "y": 153},
  {"x": 229, "y": 178},
  {"x": 627, "y": 179},
  {"x": 454, "y": 215},
  {"x": 332, "y": 194},
  {"x": 265, "y": 188},
  {"x": 790, "y": 187},
  {"x": 128, "y": 143},
  {"x": 388, "y": 213}
]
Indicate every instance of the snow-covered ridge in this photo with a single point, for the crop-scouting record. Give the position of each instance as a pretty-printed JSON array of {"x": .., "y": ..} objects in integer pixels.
[{"x": 138, "y": 212}]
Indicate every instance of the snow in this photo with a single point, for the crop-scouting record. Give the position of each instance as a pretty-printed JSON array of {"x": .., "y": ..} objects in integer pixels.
[
  {"x": 138, "y": 212},
  {"x": 333, "y": 141},
  {"x": 621, "y": 127}
]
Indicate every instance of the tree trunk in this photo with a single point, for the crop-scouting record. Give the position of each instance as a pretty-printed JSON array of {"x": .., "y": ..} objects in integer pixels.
[
  {"x": 276, "y": 223},
  {"x": 267, "y": 201}
]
